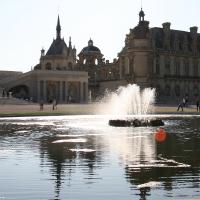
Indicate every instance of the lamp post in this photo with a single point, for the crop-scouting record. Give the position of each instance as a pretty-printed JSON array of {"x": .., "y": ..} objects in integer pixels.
[
  {"x": 110, "y": 74},
  {"x": 95, "y": 77}
]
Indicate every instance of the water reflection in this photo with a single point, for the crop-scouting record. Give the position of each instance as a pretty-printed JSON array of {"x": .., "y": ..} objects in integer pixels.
[
  {"x": 89, "y": 153},
  {"x": 64, "y": 158}
]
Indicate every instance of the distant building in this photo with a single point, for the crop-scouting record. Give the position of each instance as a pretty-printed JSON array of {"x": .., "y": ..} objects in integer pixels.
[
  {"x": 162, "y": 58},
  {"x": 55, "y": 77}
]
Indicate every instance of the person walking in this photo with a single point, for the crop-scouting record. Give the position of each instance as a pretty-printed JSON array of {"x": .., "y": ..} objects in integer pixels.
[
  {"x": 184, "y": 102},
  {"x": 41, "y": 105},
  {"x": 54, "y": 104},
  {"x": 197, "y": 105},
  {"x": 180, "y": 105}
]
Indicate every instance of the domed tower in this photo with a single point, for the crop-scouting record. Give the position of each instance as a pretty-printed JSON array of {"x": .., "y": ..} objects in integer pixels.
[
  {"x": 90, "y": 55},
  {"x": 136, "y": 57}
]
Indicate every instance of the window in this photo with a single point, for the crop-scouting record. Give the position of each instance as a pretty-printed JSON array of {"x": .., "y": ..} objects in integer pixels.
[
  {"x": 127, "y": 66},
  {"x": 96, "y": 62},
  {"x": 48, "y": 66},
  {"x": 177, "y": 90},
  {"x": 186, "y": 68},
  {"x": 122, "y": 67},
  {"x": 157, "y": 65},
  {"x": 195, "y": 68},
  {"x": 70, "y": 66},
  {"x": 167, "y": 66},
  {"x": 167, "y": 90},
  {"x": 177, "y": 68},
  {"x": 196, "y": 91},
  {"x": 158, "y": 90}
]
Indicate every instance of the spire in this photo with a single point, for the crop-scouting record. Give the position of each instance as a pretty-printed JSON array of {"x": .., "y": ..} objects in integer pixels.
[{"x": 58, "y": 29}]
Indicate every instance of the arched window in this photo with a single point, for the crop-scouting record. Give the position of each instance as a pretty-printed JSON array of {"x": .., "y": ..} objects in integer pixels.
[
  {"x": 84, "y": 61},
  {"x": 70, "y": 66},
  {"x": 48, "y": 66},
  {"x": 96, "y": 62},
  {"x": 127, "y": 66},
  {"x": 167, "y": 90}
]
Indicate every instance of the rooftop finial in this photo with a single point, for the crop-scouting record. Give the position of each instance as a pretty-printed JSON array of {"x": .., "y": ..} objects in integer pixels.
[
  {"x": 90, "y": 42},
  {"x": 70, "y": 42},
  {"x": 58, "y": 28},
  {"x": 141, "y": 15}
]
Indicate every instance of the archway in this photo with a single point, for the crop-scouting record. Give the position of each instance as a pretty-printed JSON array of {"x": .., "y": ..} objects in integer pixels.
[
  {"x": 20, "y": 91},
  {"x": 51, "y": 91},
  {"x": 73, "y": 93}
]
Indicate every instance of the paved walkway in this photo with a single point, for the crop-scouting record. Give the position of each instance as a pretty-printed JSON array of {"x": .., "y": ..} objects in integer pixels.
[{"x": 34, "y": 109}]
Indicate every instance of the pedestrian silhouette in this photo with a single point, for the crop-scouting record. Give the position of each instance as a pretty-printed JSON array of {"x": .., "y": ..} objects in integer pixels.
[
  {"x": 180, "y": 105},
  {"x": 197, "y": 105}
]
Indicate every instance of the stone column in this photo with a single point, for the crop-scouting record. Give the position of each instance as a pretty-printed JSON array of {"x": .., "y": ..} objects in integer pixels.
[
  {"x": 38, "y": 91},
  {"x": 45, "y": 91},
  {"x": 86, "y": 92},
  {"x": 61, "y": 91},
  {"x": 81, "y": 93},
  {"x": 66, "y": 92}
]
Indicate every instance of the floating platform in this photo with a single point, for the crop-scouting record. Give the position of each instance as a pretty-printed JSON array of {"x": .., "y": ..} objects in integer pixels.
[{"x": 136, "y": 122}]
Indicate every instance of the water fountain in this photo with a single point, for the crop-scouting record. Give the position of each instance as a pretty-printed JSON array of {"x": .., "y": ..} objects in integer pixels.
[{"x": 133, "y": 104}]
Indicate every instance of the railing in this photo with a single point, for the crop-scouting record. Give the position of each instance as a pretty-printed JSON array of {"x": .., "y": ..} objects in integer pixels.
[{"x": 181, "y": 76}]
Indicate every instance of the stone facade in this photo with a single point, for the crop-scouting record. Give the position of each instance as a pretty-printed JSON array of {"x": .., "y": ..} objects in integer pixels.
[
  {"x": 55, "y": 77},
  {"x": 163, "y": 58}
]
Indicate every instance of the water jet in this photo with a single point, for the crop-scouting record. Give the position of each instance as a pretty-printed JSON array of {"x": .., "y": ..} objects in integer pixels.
[{"x": 132, "y": 101}]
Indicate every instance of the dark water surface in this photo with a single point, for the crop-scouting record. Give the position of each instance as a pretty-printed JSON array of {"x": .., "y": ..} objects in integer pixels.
[{"x": 81, "y": 157}]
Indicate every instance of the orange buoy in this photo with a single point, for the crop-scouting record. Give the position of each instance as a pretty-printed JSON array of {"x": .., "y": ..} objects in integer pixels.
[{"x": 160, "y": 135}]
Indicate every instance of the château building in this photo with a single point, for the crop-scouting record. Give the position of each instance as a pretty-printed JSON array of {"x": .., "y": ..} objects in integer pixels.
[
  {"x": 162, "y": 58},
  {"x": 158, "y": 57}
]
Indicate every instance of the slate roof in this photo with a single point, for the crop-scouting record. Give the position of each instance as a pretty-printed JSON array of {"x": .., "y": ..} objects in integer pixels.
[
  {"x": 158, "y": 36},
  {"x": 90, "y": 49},
  {"x": 57, "y": 47}
]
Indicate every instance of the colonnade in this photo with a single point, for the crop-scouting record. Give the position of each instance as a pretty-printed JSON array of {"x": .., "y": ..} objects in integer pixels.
[{"x": 63, "y": 91}]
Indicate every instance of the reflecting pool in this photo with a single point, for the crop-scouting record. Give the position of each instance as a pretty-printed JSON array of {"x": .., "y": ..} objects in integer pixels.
[{"x": 82, "y": 157}]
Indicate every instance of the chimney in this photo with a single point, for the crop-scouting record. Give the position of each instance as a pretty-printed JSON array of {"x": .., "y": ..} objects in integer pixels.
[
  {"x": 166, "y": 26},
  {"x": 193, "y": 29},
  {"x": 166, "y": 30}
]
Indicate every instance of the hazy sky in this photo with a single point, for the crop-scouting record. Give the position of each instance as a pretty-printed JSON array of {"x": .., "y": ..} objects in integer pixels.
[{"x": 29, "y": 25}]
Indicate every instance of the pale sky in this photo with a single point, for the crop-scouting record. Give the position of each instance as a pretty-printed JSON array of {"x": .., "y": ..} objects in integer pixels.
[{"x": 29, "y": 25}]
